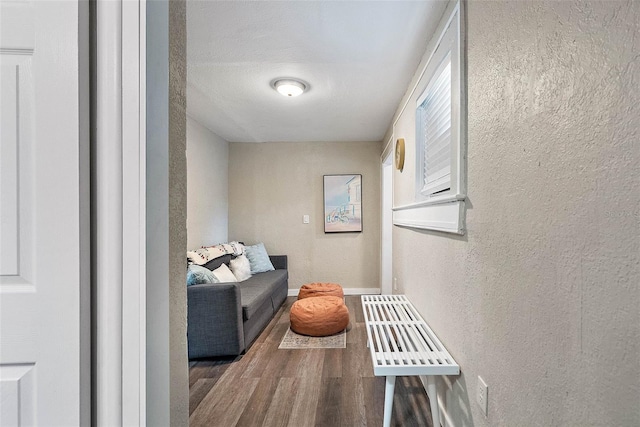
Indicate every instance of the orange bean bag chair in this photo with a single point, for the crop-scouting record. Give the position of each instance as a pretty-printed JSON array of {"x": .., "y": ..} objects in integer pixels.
[
  {"x": 319, "y": 316},
  {"x": 320, "y": 290}
]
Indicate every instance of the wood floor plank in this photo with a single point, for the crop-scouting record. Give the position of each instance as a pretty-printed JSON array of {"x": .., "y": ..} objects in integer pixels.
[
  {"x": 353, "y": 403},
  {"x": 329, "y": 410},
  {"x": 198, "y": 391},
  {"x": 355, "y": 363},
  {"x": 373, "y": 389},
  {"x": 332, "y": 366},
  {"x": 358, "y": 335},
  {"x": 256, "y": 408},
  {"x": 277, "y": 332},
  {"x": 310, "y": 363},
  {"x": 208, "y": 369},
  {"x": 254, "y": 360},
  {"x": 292, "y": 360},
  {"x": 358, "y": 313},
  {"x": 281, "y": 404},
  {"x": 354, "y": 304},
  {"x": 236, "y": 369},
  {"x": 305, "y": 402},
  {"x": 224, "y": 404}
]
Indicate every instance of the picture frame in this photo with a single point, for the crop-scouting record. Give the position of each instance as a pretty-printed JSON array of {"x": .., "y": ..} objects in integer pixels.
[{"x": 342, "y": 203}]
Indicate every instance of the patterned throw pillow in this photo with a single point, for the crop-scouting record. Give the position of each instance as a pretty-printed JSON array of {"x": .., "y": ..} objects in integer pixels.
[
  {"x": 205, "y": 254},
  {"x": 241, "y": 268},
  {"x": 197, "y": 274},
  {"x": 199, "y": 256},
  {"x": 258, "y": 258},
  {"x": 237, "y": 247}
]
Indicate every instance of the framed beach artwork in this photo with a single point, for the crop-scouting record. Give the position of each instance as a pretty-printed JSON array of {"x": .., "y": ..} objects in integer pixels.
[{"x": 343, "y": 203}]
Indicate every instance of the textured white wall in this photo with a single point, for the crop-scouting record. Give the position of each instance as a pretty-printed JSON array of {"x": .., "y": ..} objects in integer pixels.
[
  {"x": 541, "y": 296},
  {"x": 179, "y": 379},
  {"x": 272, "y": 185},
  {"x": 167, "y": 363},
  {"x": 207, "y": 186}
]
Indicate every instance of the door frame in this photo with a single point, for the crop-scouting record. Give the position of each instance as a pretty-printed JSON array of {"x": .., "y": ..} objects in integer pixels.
[
  {"x": 386, "y": 220},
  {"x": 119, "y": 218}
]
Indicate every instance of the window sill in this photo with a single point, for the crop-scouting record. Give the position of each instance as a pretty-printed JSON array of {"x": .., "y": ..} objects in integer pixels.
[{"x": 446, "y": 214}]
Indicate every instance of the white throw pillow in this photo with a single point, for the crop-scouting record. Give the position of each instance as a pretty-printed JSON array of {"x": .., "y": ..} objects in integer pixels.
[
  {"x": 224, "y": 275},
  {"x": 241, "y": 268}
]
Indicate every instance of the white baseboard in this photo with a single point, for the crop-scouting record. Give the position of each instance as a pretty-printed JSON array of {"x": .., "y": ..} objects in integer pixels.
[{"x": 347, "y": 291}]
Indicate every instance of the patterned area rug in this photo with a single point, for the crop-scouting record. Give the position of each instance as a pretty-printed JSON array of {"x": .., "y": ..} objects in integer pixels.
[{"x": 291, "y": 340}]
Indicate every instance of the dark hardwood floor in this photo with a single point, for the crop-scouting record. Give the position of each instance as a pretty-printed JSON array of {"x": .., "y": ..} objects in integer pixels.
[{"x": 318, "y": 387}]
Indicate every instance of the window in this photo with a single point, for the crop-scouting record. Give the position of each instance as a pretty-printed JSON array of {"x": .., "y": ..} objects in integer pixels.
[
  {"x": 438, "y": 120},
  {"x": 440, "y": 140}
]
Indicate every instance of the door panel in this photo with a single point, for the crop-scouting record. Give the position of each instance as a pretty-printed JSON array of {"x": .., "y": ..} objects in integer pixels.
[
  {"x": 40, "y": 199},
  {"x": 17, "y": 391},
  {"x": 9, "y": 188}
]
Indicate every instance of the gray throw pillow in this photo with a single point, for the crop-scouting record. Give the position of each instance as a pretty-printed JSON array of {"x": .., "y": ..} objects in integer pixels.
[{"x": 217, "y": 262}]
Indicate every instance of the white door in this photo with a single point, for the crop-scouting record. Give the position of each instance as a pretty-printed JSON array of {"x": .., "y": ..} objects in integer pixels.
[{"x": 44, "y": 346}]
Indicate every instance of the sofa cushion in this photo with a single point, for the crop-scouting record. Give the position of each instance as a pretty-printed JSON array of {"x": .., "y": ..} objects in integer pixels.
[{"x": 258, "y": 289}]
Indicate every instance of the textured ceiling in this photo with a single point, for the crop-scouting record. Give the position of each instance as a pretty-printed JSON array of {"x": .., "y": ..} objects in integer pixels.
[{"x": 357, "y": 56}]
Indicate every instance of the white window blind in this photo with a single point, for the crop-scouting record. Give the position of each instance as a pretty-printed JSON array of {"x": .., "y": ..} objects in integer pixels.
[{"x": 434, "y": 127}]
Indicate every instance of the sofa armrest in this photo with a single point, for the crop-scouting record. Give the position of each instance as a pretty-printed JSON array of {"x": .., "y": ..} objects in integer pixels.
[
  {"x": 214, "y": 320},
  {"x": 279, "y": 261}
]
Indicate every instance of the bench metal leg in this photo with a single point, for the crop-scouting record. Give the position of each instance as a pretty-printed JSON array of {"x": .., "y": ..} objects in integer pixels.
[
  {"x": 432, "y": 391},
  {"x": 388, "y": 399}
]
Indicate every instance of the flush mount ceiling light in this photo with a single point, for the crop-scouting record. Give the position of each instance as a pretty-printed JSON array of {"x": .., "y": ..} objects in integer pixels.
[{"x": 289, "y": 87}]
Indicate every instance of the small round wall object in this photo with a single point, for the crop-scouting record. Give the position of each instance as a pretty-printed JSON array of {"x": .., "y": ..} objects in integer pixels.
[{"x": 399, "y": 156}]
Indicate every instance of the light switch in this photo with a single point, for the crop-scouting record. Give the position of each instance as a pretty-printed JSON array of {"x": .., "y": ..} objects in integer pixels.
[{"x": 305, "y": 219}]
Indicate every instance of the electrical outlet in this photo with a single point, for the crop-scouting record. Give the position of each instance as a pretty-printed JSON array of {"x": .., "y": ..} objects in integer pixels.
[
  {"x": 305, "y": 219},
  {"x": 482, "y": 395},
  {"x": 395, "y": 283}
]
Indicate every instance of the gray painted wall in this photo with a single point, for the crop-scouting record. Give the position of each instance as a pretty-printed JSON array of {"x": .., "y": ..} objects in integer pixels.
[
  {"x": 541, "y": 296},
  {"x": 207, "y": 186},
  {"x": 179, "y": 363},
  {"x": 272, "y": 185},
  {"x": 167, "y": 364}
]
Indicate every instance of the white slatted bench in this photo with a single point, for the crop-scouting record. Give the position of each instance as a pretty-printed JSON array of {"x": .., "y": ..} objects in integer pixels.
[{"x": 402, "y": 344}]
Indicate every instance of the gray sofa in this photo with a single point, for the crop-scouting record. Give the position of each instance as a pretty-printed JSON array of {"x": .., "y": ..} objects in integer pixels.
[{"x": 225, "y": 318}]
